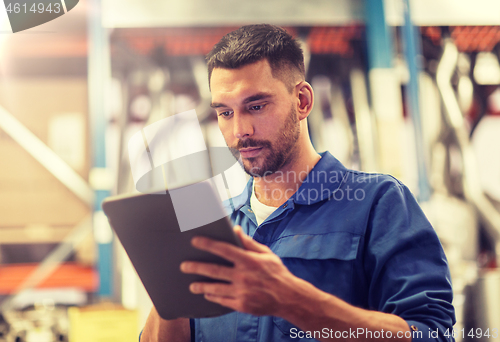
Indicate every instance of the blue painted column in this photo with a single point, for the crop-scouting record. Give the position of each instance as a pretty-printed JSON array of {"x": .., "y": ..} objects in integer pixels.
[
  {"x": 379, "y": 37},
  {"x": 412, "y": 43},
  {"x": 387, "y": 102},
  {"x": 385, "y": 90},
  {"x": 98, "y": 78}
]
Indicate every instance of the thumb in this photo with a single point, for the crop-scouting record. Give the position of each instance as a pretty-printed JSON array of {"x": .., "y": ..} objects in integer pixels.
[{"x": 249, "y": 243}]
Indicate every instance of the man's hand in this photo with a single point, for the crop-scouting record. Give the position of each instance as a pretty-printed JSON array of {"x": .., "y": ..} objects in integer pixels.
[
  {"x": 260, "y": 284},
  {"x": 257, "y": 282}
]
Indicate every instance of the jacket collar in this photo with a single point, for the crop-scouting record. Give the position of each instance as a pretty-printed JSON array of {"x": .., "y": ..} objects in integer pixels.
[
  {"x": 320, "y": 183},
  {"x": 324, "y": 179}
]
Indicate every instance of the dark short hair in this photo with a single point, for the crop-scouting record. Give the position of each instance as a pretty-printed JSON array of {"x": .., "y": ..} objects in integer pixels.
[{"x": 252, "y": 43}]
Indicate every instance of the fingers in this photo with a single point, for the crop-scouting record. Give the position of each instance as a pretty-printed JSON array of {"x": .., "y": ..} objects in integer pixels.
[
  {"x": 206, "y": 269},
  {"x": 214, "y": 289},
  {"x": 224, "y": 301},
  {"x": 222, "y": 249},
  {"x": 248, "y": 242},
  {"x": 228, "y": 251},
  {"x": 216, "y": 292}
]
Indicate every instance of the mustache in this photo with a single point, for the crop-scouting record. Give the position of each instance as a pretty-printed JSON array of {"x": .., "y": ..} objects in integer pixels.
[{"x": 248, "y": 143}]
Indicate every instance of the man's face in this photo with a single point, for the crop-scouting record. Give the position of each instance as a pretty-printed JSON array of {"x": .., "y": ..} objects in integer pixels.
[{"x": 257, "y": 116}]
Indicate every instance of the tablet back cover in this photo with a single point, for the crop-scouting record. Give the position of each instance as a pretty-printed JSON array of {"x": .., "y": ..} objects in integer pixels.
[{"x": 147, "y": 227}]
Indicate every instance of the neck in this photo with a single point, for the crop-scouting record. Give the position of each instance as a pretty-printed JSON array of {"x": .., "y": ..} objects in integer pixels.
[{"x": 277, "y": 188}]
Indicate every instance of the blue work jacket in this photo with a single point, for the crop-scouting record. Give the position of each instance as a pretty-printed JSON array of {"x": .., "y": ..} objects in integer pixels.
[{"x": 361, "y": 237}]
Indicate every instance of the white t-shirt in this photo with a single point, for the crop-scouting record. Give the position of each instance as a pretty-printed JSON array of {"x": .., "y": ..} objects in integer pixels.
[{"x": 260, "y": 210}]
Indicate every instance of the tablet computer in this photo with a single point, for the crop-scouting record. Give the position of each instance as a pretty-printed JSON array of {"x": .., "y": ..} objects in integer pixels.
[{"x": 149, "y": 230}]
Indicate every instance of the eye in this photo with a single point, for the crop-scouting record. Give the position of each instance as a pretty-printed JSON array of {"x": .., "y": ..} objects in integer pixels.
[
  {"x": 226, "y": 113},
  {"x": 257, "y": 108}
]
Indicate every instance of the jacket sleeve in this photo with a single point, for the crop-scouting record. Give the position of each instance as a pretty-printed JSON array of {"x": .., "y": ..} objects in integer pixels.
[{"x": 406, "y": 266}]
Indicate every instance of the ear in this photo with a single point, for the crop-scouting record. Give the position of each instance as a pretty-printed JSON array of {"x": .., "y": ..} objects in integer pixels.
[{"x": 305, "y": 99}]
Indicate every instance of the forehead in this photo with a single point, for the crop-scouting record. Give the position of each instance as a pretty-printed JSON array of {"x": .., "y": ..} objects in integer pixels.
[{"x": 233, "y": 84}]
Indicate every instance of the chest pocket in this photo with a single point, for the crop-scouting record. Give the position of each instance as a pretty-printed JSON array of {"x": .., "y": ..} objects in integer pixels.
[{"x": 324, "y": 260}]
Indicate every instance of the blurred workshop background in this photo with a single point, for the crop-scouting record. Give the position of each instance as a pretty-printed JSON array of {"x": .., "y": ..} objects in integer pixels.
[{"x": 406, "y": 87}]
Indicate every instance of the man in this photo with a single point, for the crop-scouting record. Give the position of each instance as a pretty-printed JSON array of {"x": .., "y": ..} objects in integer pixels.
[{"x": 329, "y": 253}]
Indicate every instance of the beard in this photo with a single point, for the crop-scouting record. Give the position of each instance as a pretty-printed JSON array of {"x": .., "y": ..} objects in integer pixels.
[{"x": 274, "y": 155}]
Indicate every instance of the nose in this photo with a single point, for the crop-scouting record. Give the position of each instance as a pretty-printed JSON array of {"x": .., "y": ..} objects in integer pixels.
[{"x": 242, "y": 126}]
